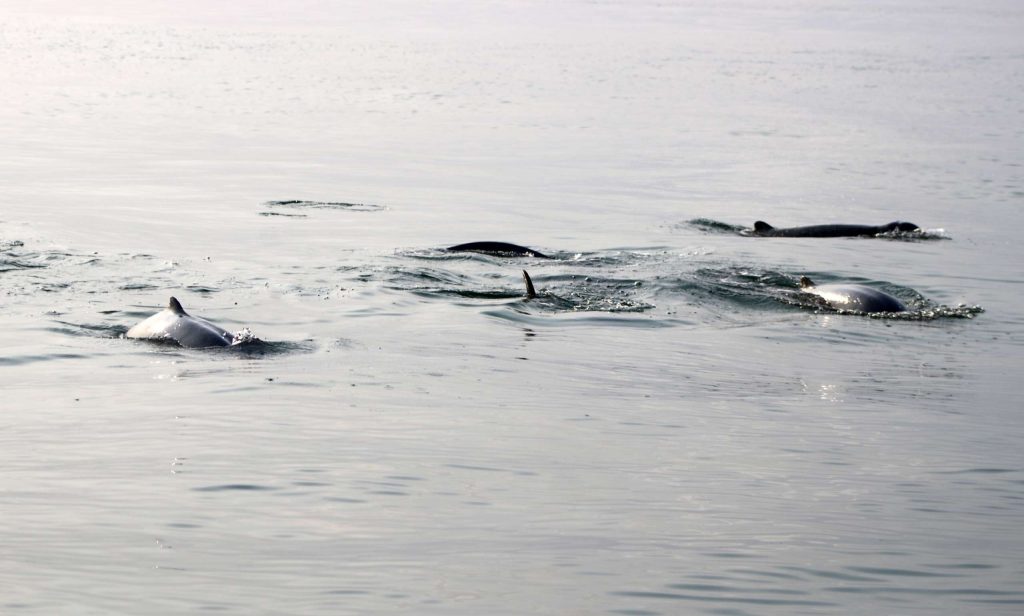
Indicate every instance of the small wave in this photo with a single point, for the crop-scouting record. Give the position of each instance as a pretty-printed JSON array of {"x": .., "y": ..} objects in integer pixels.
[
  {"x": 931, "y": 313},
  {"x": 283, "y": 215},
  {"x": 915, "y": 236},
  {"x": 716, "y": 226},
  {"x": 254, "y": 348},
  {"x": 750, "y": 287},
  {"x": 201, "y": 289},
  {"x": 520, "y": 314},
  {"x": 435, "y": 283},
  {"x": 235, "y": 487},
  {"x": 589, "y": 294},
  {"x": 7, "y": 265},
  {"x": 468, "y": 293},
  {"x": 20, "y": 360},
  {"x": 322, "y": 205},
  {"x": 245, "y": 344},
  {"x": 426, "y": 278},
  {"x": 89, "y": 330},
  {"x": 13, "y": 259},
  {"x": 590, "y": 300}
]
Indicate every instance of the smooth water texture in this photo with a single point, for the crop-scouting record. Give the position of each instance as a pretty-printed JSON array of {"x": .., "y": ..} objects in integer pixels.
[{"x": 670, "y": 427}]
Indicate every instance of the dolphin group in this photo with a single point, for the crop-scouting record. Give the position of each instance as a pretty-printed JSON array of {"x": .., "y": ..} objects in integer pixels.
[
  {"x": 763, "y": 229},
  {"x": 856, "y": 297},
  {"x": 173, "y": 323}
]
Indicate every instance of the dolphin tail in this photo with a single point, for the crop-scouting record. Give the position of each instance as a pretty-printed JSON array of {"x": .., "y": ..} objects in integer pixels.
[
  {"x": 530, "y": 291},
  {"x": 806, "y": 282},
  {"x": 175, "y": 306},
  {"x": 761, "y": 226}
]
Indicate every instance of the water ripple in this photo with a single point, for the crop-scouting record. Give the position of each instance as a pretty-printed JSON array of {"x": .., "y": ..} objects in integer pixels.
[
  {"x": 235, "y": 487},
  {"x": 712, "y": 599}
]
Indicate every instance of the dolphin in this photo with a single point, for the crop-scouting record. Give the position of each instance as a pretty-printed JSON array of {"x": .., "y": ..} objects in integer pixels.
[
  {"x": 763, "y": 229},
  {"x": 853, "y": 297},
  {"x": 173, "y": 323},
  {"x": 530, "y": 291},
  {"x": 498, "y": 249}
]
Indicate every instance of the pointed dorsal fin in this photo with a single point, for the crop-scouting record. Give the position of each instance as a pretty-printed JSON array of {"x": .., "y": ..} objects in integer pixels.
[
  {"x": 175, "y": 306},
  {"x": 761, "y": 225},
  {"x": 530, "y": 291},
  {"x": 806, "y": 282}
]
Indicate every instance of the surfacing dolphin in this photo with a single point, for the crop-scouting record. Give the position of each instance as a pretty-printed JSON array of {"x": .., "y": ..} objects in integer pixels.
[
  {"x": 763, "y": 229},
  {"x": 853, "y": 297},
  {"x": 499, "y": 249},
  {"x": 173, "y": 323},
  {"x": 530, "y": 291}
]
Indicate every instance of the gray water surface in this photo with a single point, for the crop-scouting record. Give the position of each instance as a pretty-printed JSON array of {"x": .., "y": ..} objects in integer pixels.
[{"x": 670, "y": 427}]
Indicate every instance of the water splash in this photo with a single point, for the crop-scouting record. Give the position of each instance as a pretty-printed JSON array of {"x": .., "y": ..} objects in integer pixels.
[{"x": 244, "y": 336}]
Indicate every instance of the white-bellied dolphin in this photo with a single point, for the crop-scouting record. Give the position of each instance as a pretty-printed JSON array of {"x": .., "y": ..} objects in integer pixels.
[
  {"x": 763, "y": 229},
  {"x": 500, "y": 249},
  {"x": 853, "y": 297},
  {"x": 173, "y": 323}
]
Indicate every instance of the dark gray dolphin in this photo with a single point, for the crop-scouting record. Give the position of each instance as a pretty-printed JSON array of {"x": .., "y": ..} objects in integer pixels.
[
  {"x": 853, "y": 297},
  {"x": 763, "y": 229},
  {"x": 500, "y": 249},
  {"x": 173, "y": 323}
]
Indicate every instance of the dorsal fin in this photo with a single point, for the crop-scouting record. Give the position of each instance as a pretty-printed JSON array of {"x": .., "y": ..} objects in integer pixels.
[
  {"x": 806, "y": 282},
  {"x": 175, "y": 306},
  {"x": 530, "y": 291},
  {"x": 761, "y": 225}
]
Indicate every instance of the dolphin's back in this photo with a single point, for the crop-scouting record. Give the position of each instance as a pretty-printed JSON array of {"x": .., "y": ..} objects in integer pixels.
[
  {"x": 859, "y": 298},
  {"x": 501, "y": 249},
  {"x": 193, "y": 332},
  {"x": 173, "y": 323},
  {"x": 853, "y": 297},
  {"x": 766, "y": 230}
]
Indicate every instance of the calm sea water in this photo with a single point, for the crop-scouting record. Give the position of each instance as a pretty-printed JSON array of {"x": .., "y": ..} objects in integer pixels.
[{"x": 669, "y": 428}]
